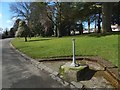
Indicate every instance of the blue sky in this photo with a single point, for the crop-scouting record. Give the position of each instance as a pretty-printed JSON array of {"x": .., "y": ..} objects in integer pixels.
[{"x": 5, "y": 15}]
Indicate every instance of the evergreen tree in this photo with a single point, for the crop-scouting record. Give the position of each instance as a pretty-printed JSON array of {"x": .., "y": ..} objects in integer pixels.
[{"x": 23, "y": 30}]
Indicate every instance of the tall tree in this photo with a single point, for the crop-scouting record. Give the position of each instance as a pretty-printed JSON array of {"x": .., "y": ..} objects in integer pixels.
[
  {"x": 23, "y": 30},
  {"x": 39, "y": 18},
  {"x": 54, "y": 15},
  {"x": 89, "y": 11},
  {"x": 21, "y": 10},
  {"x": 116, "y": 13},
  {"x": 36, "y": 16},
  {"x": 12, "y": 32},
  {"x": 16, "y": 24},
  {"x": 6, "y": 32},
  {"x": 106, "y": 16}
]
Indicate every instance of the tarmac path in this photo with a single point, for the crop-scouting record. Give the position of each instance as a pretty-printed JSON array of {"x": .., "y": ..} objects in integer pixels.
[{"x": 20, "y": 73}]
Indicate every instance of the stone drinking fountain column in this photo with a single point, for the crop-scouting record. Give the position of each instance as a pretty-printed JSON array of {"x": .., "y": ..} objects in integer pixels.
[
  {"x": 74, "y": 64},
  {"x": 72, "y": 71}
]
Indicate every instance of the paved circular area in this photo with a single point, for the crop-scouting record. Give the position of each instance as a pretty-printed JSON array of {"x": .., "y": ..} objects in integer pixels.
[{"x": 97, "y": 80}]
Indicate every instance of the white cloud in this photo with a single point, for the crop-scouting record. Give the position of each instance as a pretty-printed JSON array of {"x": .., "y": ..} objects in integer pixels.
[
  {"x": 9, "y": 21},
  {"x": 14, "y": 18}
]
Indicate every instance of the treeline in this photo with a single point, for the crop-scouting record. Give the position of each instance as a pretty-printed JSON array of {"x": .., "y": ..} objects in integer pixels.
[
  {"x": 60, "y": 18},
  {"x": 7, "y": 33}
]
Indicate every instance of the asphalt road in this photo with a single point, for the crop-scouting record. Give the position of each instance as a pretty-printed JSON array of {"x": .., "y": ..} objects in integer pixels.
[
  {"x": 20, "y": 73},
  {"x": 0, "y": 63}
]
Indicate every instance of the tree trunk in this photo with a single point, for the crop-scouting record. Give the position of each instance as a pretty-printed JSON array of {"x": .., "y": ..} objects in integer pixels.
[
  {"x": 106, "y": 16},
  {"x": 68, "y": 30},
  {"x": 118, "y": 13},
  {"x": 55, "y": 30},
  {"x": 59, "y": 22},
  {"x": 99, "y": 27},
  {"x": 58, "y": 32},
  {"x": 25, "y": 39},
  {"x": 95, "y": 30},
  {"x": 95, "y": 26},
  {"x": 88, "y": 25}
]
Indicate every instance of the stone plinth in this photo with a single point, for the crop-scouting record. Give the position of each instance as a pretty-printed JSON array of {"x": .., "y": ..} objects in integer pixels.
[{"x": 71, "y": 73}]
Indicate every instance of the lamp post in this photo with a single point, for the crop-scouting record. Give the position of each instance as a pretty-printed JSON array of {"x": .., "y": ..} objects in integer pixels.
[{"x": 74, "y": 61}]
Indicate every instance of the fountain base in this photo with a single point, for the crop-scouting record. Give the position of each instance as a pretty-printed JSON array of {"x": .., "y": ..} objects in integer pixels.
[{"x": 72, "y": 73}]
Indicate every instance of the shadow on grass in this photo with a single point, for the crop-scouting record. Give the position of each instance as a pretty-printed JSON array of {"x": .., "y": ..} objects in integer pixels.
[
  {"x": 103, "y": 34},
  {"x": 86, "y": 74},
  {"x": 44, "y": 39}
]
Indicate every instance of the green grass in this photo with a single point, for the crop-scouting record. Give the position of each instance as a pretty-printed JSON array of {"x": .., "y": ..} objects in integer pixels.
[{"x": 104, "y": 46}]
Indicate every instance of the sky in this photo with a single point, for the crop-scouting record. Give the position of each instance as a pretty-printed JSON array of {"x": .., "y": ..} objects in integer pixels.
[{"x": 6, "y": 20}]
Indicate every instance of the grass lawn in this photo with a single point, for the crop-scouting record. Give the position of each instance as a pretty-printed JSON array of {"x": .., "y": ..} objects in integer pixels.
[{"x": 104, "y": 46}]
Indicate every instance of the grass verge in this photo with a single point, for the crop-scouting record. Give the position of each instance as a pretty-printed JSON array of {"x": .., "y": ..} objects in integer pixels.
[{"x": 37, "y": 47}]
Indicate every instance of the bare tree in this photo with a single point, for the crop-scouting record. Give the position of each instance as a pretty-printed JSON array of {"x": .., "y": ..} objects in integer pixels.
[{"x": 21, "y": 9}]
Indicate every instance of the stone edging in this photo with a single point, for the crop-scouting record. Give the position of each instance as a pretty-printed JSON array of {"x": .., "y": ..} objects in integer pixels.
[{"x": 53, "y": 74}]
